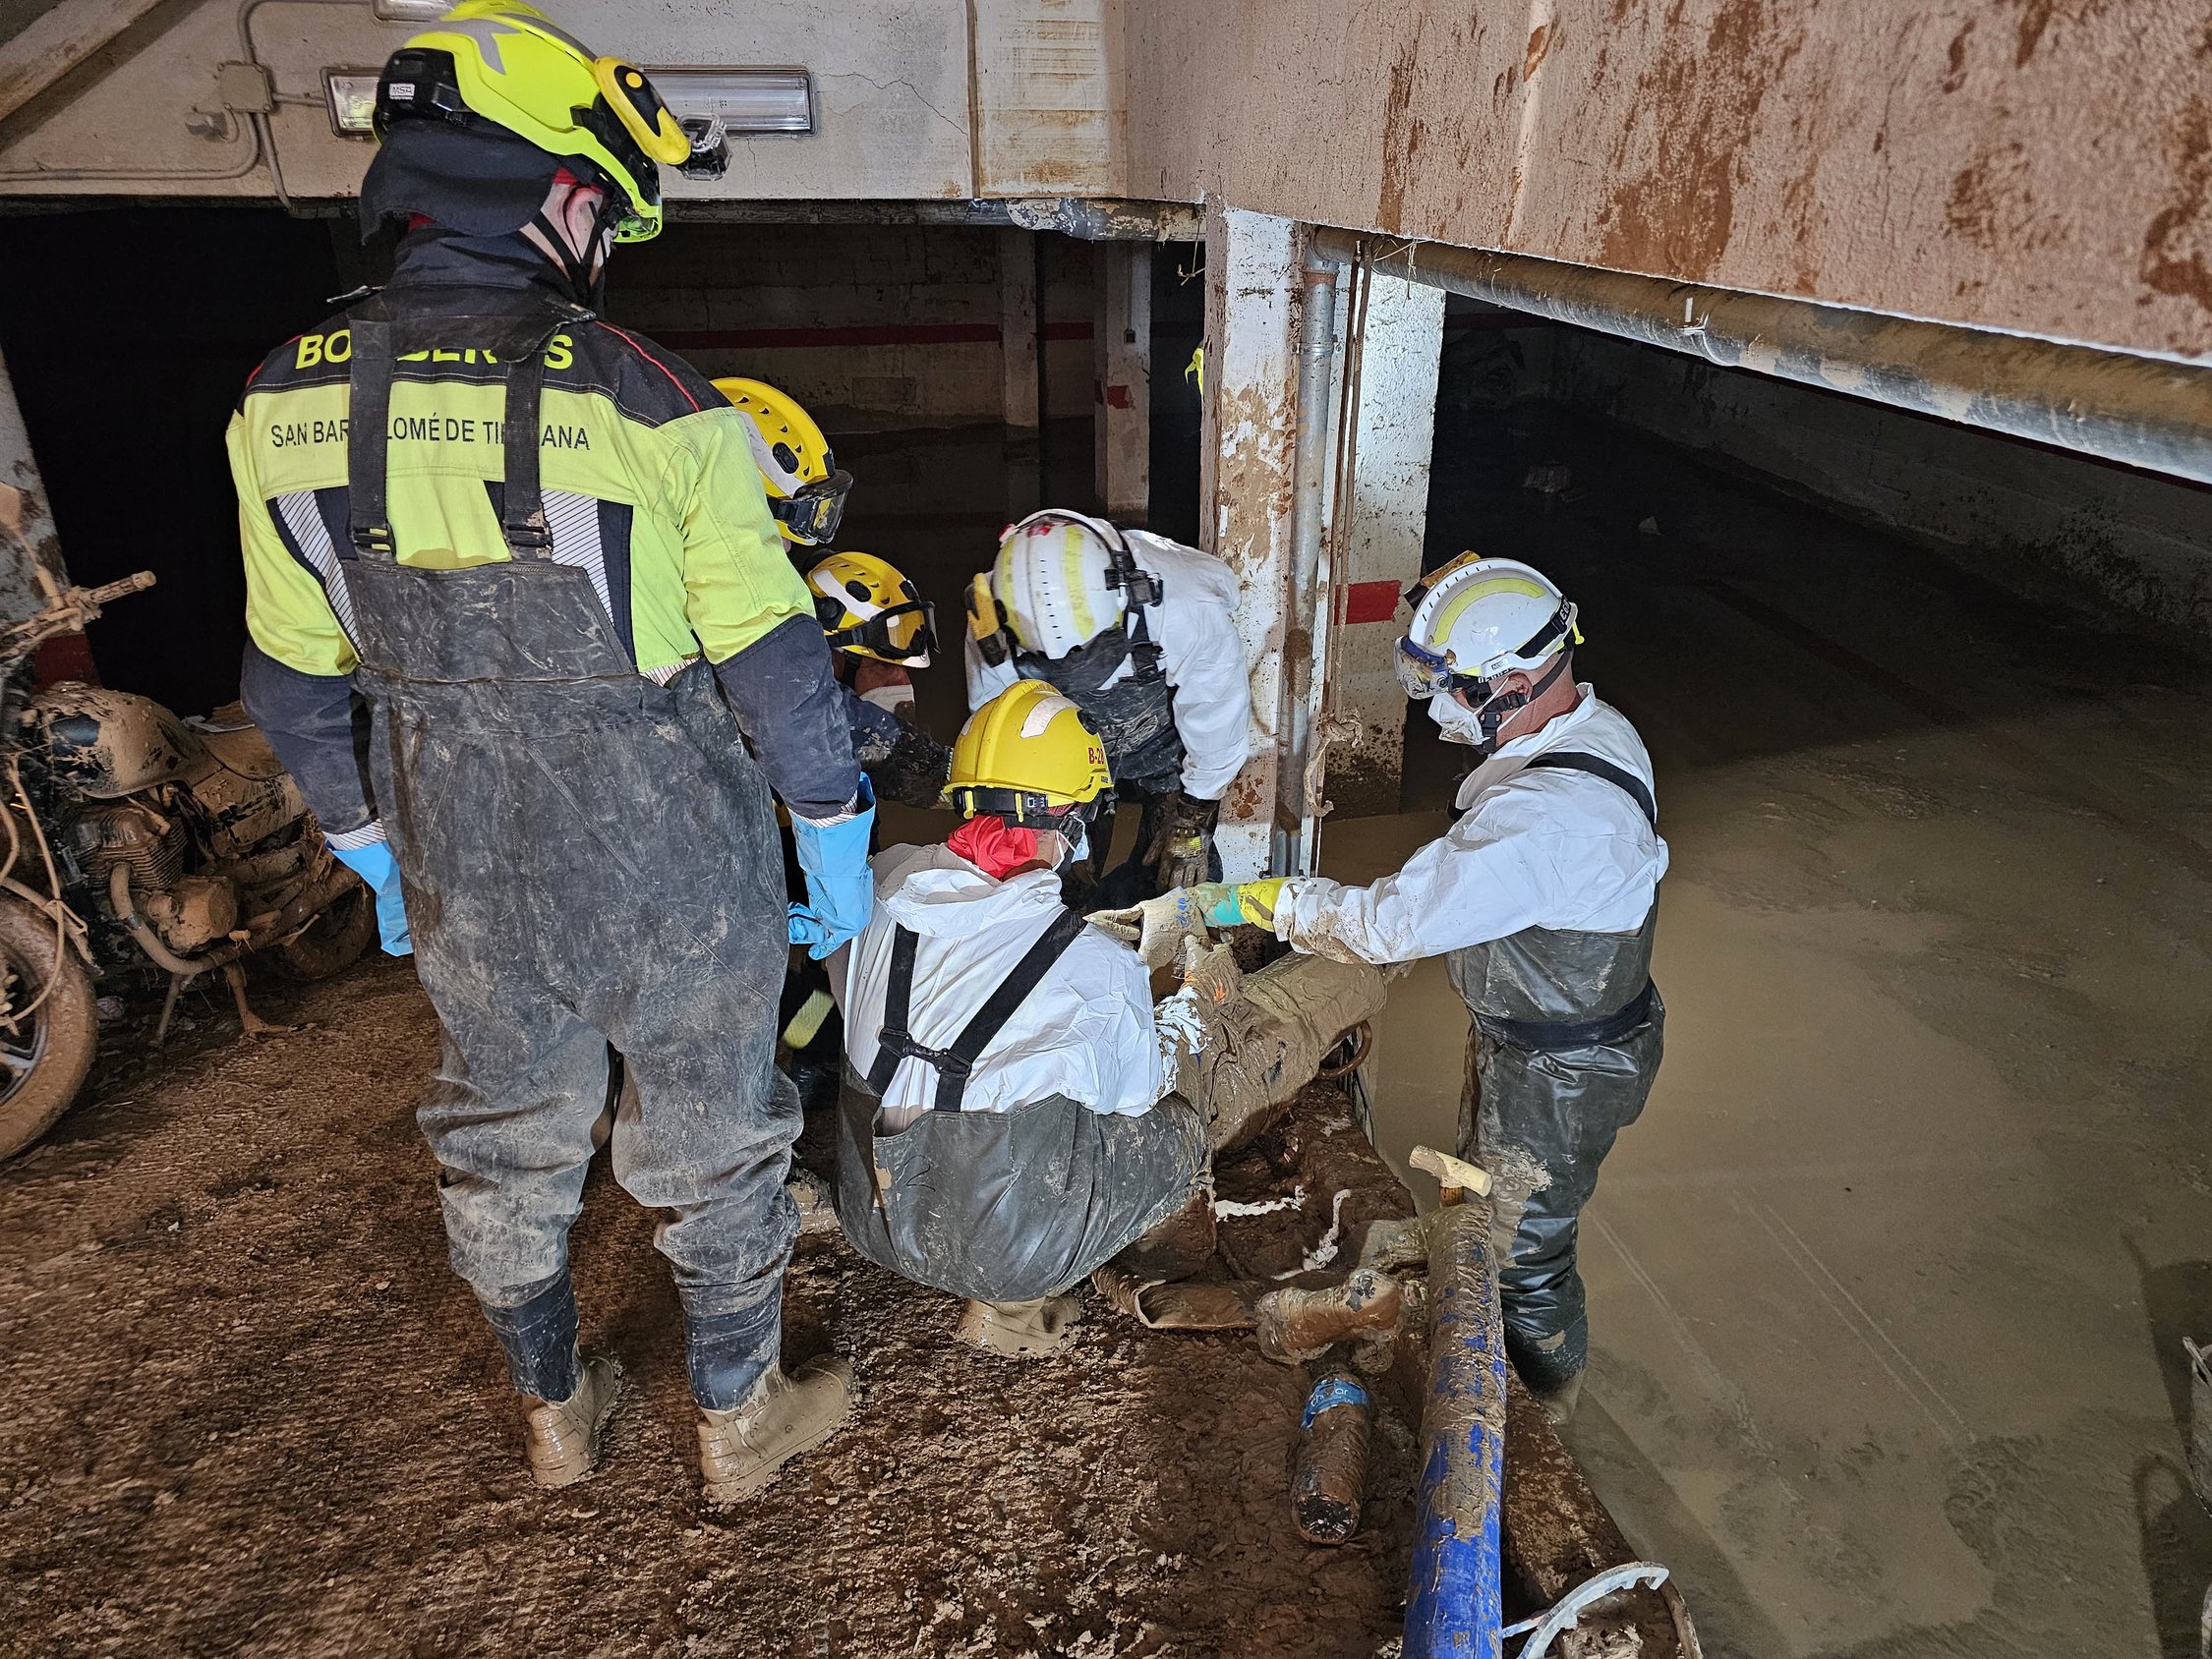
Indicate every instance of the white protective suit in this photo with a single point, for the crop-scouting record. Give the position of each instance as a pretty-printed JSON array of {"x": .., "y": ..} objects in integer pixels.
[
  {"x": 1531, "y": 849},
  {"x": 1202, "y": 655},
  {"x": 1085, "y": 1033}
]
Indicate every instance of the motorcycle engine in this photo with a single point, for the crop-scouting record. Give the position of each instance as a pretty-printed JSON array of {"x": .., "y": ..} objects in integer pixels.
[
  {"x": 132, "y": 833},
  {"x": 194, "y": 913}
]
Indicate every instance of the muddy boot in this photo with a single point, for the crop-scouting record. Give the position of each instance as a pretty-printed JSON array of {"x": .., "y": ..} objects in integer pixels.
[
  {"x": 560, "y": 1438},
  {"x": 1019, "y": 1329},
  {"x": 1559, "y": 1401},
  {"x": 740, "y": 1449}
]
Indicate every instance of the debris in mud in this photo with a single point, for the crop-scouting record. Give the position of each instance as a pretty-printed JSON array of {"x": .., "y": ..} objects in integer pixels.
[{"x": 223, "y": 1439}]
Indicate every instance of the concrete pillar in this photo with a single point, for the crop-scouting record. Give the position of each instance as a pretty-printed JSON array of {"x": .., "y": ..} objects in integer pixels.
[
  {"x": 1385, "y": 516},
  {"x": 1121, "y": 351},
  {"x": 1245, "y": 484},
  {"x": 1018, "y": 326},
  {"x": 1021, "y": 368}
]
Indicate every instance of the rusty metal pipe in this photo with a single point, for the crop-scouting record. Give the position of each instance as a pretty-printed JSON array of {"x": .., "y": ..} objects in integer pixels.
[
  {"x": 2148, "y": 412},
  {"x": 1309, "y": 477}
]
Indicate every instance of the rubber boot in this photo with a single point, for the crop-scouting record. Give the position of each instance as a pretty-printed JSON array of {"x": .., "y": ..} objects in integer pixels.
[
  {"x": 560, "y": 1438},
  {"x": 741, "y": 1450},
  {"x": 1019, "y": 1329},
  {"x": 1559, "y": 1402}
]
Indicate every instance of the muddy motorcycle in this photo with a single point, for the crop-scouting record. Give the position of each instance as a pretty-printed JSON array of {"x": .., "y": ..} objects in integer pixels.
[{"x": 138, "y": 841}]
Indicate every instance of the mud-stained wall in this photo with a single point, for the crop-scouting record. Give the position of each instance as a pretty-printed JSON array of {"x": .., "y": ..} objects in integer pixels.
[{"x": 2040, "y": 165}]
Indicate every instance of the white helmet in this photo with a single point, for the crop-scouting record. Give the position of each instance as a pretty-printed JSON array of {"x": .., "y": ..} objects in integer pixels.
[
  {"x": 1063, "y": 579},
  {"x": 1477, "y": 618}
]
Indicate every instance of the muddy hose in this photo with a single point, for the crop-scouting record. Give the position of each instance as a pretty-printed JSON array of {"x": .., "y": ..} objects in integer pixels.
[{"x": 1454, "y": 1606}]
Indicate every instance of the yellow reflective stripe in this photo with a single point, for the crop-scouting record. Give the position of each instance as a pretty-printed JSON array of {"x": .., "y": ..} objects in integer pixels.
[
  {"x": 1452, "y": 608},
  {"x": 1085, "y": 619}
]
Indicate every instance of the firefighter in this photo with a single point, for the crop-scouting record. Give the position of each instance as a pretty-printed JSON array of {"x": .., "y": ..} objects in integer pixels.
[{"x": 539, "y": 549}]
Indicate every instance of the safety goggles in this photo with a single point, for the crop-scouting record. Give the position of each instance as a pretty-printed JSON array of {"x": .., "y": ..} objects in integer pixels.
[
  {"x": 812, "y": 513},
  {"x": 905, "y": 632},
  {"x": 1425, "y": 675}
]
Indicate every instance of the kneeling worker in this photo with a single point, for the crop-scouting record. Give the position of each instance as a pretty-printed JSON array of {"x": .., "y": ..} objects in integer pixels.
[
  {"x": 1543, "y": 897},
  {"x": 1003, "y": 1131}
]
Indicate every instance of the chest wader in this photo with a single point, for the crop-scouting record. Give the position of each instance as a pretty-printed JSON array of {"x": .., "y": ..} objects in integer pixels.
[
  {"x": 1135, "y": 720},
  {"x": 588, "y": 860},
  {"x": 1565, "y": 1043},
  {"x": 1000, "y": 1206}
]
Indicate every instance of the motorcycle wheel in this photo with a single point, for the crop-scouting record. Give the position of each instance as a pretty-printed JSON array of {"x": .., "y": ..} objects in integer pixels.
[
  {"x": 44, "y": 1056},
  {"x": 334, "y": 940}
]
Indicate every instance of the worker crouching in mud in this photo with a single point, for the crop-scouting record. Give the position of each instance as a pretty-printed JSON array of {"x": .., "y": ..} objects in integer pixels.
[
  {"x": 1541, "y": 897},
  {"x": 587, "y": 661},
  {"x": 1008, "y": 1122}
]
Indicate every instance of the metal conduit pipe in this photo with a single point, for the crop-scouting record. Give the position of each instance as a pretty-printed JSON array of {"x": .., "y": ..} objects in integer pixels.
[
  {"x": 1310, "y": 473},
  {"x": 2144, "y": 412}
]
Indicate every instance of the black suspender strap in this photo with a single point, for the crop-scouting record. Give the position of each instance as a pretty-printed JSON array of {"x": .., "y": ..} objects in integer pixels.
[
  {"x": 953, "y": 1065},
  {"x": 522, "y": 513},
  {"x": 368, "y": 427},
  {"x": 1570, "y": 759}
]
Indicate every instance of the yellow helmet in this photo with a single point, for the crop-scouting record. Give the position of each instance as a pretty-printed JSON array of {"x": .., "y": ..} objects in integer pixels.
[
  {"x": 501, "y": 64},
  {"x": 805, "y": 490},
  {"x": 1029, "y": 757},
  {"x": 868, "y": 608}
]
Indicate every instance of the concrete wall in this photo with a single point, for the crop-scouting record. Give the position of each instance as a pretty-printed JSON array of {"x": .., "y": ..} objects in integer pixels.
[
  {"x": 870, "y": 326},
  {"x": 2037, "y": 165},
  {"x": 2140, "y": 542}
]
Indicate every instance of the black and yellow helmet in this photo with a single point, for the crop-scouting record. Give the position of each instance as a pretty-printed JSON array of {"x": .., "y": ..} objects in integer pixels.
[{"x": 498, "y": 67}]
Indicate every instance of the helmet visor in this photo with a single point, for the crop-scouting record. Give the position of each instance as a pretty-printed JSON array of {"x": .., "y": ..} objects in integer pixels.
[
  {"x": 812, "y": 513},
  {"x": 899, "y": 633}
]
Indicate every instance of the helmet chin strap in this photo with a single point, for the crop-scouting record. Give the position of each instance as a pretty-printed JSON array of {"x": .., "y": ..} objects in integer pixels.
[
  {"x": 1493, "y": 715},
  {"x": 586, "y": 286}
]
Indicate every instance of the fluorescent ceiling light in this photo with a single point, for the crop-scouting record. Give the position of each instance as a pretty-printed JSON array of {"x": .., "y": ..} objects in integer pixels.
[
  {"x": 749, "y": 99},
  {"x": 351, "y": 95},
  {"x": 410, "y": 10}
]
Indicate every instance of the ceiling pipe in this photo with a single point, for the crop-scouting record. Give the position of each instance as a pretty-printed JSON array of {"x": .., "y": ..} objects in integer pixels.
[{"x": 2143, "y": 412}]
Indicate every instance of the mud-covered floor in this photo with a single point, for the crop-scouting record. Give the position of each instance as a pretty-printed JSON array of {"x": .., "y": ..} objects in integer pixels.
[{"x": 249, "y": 1412}]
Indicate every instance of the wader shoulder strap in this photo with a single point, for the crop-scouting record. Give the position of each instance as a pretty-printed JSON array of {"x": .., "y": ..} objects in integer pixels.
[
  {"x": 522, "y": 516},
  {"x": 1571, "y": 760},
  {"x": 953, "y": 1065}
]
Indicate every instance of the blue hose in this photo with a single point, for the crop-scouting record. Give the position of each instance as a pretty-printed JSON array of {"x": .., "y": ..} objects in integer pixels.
[{"x": 1454, "y": 1607}]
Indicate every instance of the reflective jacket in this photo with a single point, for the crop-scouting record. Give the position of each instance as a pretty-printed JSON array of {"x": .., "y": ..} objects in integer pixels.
[{"x": 650, "y": 485}]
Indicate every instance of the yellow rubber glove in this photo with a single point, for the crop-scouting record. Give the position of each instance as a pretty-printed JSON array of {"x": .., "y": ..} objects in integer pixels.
[{"x": 1225, "y": 904}]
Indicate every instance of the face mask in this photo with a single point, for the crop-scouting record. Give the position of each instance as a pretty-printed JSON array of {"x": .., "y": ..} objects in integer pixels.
[
  {"x": 1458, "y": 723},
  {"x": 893, "y": 697}
]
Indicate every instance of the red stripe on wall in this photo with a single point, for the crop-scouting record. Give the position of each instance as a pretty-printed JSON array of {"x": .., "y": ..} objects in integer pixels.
[
  {"x": 857, "y": 335},
  {"x": 1370, "y": 602}
]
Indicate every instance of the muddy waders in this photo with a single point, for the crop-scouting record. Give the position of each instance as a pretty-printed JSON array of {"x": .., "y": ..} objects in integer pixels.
[
  {"x": 589, "y": 859},
  {"x": 1566, "y": 1039}
]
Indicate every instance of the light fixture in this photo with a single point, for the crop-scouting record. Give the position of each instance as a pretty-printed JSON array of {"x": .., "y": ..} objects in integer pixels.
[
  {"x": 745, "y": 100},
  {"x": 410, "y": 10},
  {"x": 351, "y": 95}
]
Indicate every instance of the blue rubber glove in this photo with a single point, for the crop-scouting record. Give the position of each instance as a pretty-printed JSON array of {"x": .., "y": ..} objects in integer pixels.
[
  {"x": 841, "y": 889},
  {"x": 376, "y": 865}
]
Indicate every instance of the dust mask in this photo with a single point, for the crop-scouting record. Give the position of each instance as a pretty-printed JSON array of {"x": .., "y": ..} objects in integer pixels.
[{"x": 1458, "y": 723}]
